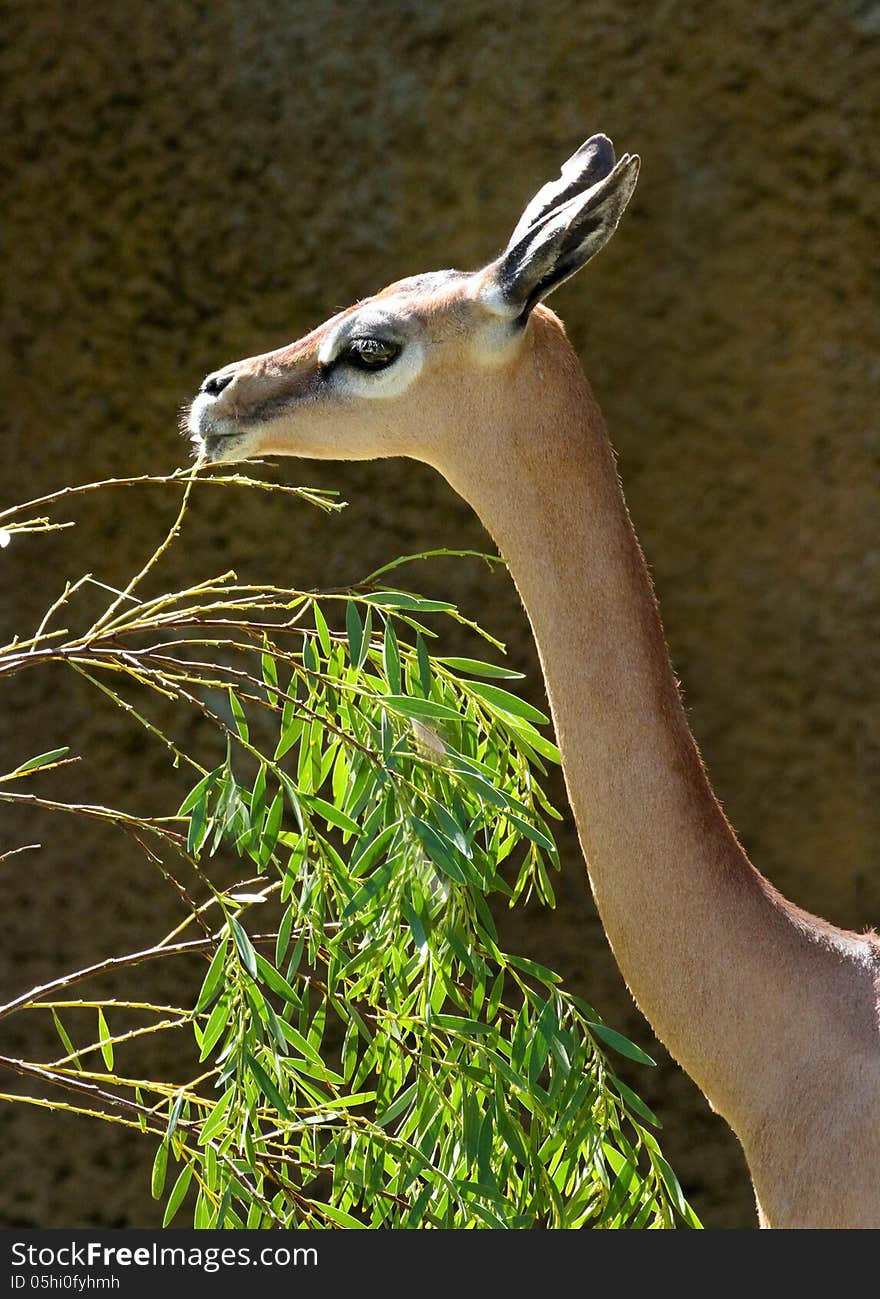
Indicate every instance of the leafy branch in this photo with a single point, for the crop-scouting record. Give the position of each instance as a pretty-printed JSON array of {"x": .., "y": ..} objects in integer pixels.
[{"x": 368, "y": 1054}]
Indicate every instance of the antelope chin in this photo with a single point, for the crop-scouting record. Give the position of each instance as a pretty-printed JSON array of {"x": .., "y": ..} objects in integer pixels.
[
  {"x": 219, "y": 449},
  {"x": 215, "y": 439}
]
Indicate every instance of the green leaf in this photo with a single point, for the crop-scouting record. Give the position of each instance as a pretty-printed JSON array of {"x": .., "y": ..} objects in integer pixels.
[
  {"x": 332, "y": 814},
  {"x": 217, "y": 1021},
  {"x": 309, "y": 657},
  {"x": 174, "y": 1116},
  {"x": 621, "y": 1044},
  {"x": 258, "y": 794},
  {"x": 349, "y": 1102},
  {"x": 510, "y": 1130},
  {"x": 275, "y": 981},
  {"x": 271, "y": 827},
  {"x": 397, "y": 1107},
  {"x": 301, "y": 1043},
  {"x": 470, "y": 1027},
  {"x": 268, "y": 1087},
  {"x": 41, "y": 760},
  {"x": 178, "y": 1193},
  {"x": 214, "y": 978},
  {"x": 104, "y": 1039},
  {"x": 440, "y": 850},
  {"x": 338, "y": 1216},
  {"x": 373, "y": 885},
  {"x": 160, "y": 1167},
  {"x": 411, "y": 707},
  {"x": 633, "y": 1101},
  {"x": 323, "y": 630},
  {"x": 245, "y": 947},
  {"x": 507, "y": 702},
  {"x": 671, "y": 1183},
  {"x": 391, "y": 658},
  {"x": 62, "y": 1033},
  {"x": 288, "y": 738},
  {"x": 283, "y": 940},
  {"x": 532, "y": 832},
  {"x": 476, "y": 668},
  {"x": 527, "y": 739},
  {"x": 196, "y": 793},
  {"x": 292, "y": 798},
  {"x": 217, "y": 1116},
  {"x": 367, "y": 638},
  {"x": 450, "y": 827},
  {"x": 355, "y": 632},
  {"x": 368, "y": 849},
  {"x": 424, "y": 665},
  {"x": 270, "y": 673},
  {"x": 198, "y": 827},
  {"x": 414, "y": 920},
  {"x": 238, "y": 715},
  {"x": 224, "y": 1208},
  {"x": 403, "y": 600},
  {"x": 537, "y": 970},
  {"x": 495, "y": 996}
]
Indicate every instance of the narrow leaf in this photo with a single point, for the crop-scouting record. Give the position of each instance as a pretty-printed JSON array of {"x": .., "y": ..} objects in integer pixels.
[
  {"x": 333, "y": 815},
  {"x": 160, "y": 1167},
  {"x": 215, "y": 1120},
  {"x": 238, "y": 715},
  {"x": 621, "y": 1044},
  {"x": 403, "y": 600},
  {"x": 411, "y": 707},
  {"x": 41, "y": 760},
  {"x": 214, "y": 978},
  {"x": 507, "y": 702},
  {"x": 245, "y": 947},
  {"x": 104, "y": 1038},
  {"x": 178, "y": 1192},
  {"x": 475, "y": 668},
  {"x": 391, "y": 658},
  {"x": 323, "y": 630},
  {"x": 275, "y": 981},
  {"x": 268, "y": 1087},
  {"x": 354, "y": 630},
  {"x": 62, "y": 1033}
]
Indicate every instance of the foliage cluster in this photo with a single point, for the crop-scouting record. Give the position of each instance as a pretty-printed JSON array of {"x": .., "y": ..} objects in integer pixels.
[{"x": 368, "y": 1054}]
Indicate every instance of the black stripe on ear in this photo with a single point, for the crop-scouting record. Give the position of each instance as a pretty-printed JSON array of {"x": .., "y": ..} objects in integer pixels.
[
  {"x": 589, "y": 164},
  {"x": 559, "y": 242},
  {"x": 566, "y": 266}
]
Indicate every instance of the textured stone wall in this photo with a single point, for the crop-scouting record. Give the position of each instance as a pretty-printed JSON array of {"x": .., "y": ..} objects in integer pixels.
[{"x": 187, "y": 182}]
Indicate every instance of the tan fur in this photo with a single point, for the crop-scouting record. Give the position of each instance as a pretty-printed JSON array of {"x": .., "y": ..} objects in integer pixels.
[{"x": 771, "y": 1011}]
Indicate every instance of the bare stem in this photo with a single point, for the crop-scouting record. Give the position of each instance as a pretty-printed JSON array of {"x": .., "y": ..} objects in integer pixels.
[
  {"x": 192, "y": 947},
  {"x": 157, "y": 554},
  {"x": 315, "y": 495}
]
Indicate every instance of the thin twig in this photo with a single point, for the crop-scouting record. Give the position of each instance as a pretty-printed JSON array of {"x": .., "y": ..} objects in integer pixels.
[
  {"x": 315, "y": 495},
  {"x": 193, "y": 946},
  {"x": 43, "y": 1102},
  {"x": 28, "y": 1070},
  {"x": 151, "y": 563},
  {"x": 13, "y": 852}
]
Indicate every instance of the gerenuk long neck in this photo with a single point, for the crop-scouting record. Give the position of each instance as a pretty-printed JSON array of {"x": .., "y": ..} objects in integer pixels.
[{"x": 724, "y": 969}]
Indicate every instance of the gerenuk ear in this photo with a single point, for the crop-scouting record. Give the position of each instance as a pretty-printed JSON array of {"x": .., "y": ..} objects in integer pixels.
[{"x": 566, "y": 224}]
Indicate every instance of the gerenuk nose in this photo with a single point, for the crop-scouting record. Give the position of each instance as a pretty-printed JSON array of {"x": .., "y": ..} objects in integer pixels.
[{"x": 215, "y": 383}]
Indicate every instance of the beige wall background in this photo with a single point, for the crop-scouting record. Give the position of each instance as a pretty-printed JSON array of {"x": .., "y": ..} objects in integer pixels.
[{"x": 186, "y": 183}]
